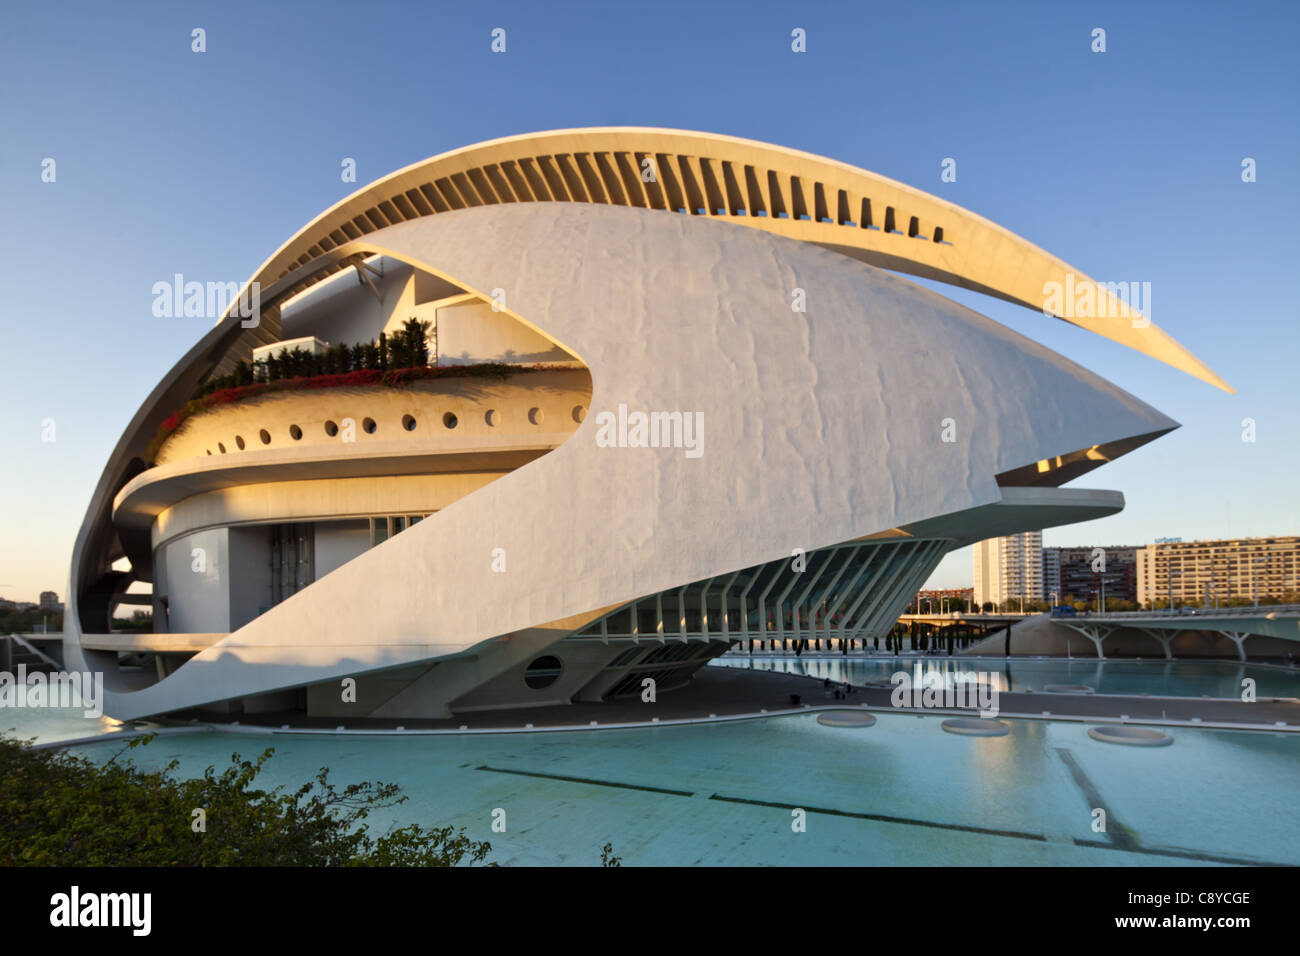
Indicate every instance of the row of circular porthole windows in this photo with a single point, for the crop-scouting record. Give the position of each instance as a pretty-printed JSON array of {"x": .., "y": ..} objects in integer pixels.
[{"x": 368, "y": 425}]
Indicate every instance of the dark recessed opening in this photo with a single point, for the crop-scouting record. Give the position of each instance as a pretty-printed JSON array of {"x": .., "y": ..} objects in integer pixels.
[{"x": 543, "y": 672}]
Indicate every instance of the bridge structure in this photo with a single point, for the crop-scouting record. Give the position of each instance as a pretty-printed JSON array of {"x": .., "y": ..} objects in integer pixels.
[
  {"x": 1235, "y": 623},
  {"x": 951, "y": 618},
  {"x": 941, "y": 626},
  {"x": 31, "y": 650}
]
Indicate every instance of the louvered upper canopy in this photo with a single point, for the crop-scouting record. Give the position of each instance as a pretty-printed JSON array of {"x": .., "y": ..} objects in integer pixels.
[{"x": 784, "y": 191}]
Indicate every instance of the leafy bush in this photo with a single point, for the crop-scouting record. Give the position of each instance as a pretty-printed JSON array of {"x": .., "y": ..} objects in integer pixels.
[{"x": 59, "y": 809}]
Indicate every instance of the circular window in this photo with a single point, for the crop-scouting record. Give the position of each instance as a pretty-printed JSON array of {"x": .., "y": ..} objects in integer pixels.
[
  {"x": 450, "y": 420},
  {"x": 265, "y": 436},
  {"x": 408, "y": 422},
  {"x": 543, "y": 672},
  {"x": 579, "y": 413},
  {"x": 239, "y": 442},
  {"x": 368, "y": 425},
  {"x": 221, "y": 448},
  {"x": 331, "y": 429},
  {"x": 535, "y": 416},
  {"x": 295, "y": 432},
  {"x": 492, "y": 418}
]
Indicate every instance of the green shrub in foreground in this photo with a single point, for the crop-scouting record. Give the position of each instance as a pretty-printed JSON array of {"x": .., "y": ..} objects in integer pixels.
[{"x": 59, "y": 809}]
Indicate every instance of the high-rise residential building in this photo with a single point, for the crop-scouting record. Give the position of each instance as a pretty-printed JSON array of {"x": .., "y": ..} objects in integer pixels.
[
  {"x": 1009, "y": 569},
  {"x": 1086, "y": 573},
  {"x": 1209, "y": 572},
  {"x": 1052, "y": 574},
  {"x": 50, "y": 601}
]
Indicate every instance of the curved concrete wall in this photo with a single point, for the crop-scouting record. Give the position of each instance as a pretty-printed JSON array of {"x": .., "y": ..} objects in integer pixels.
[
  {"x": 318, "y": 500},
  {"x": 556, "y": 393}
]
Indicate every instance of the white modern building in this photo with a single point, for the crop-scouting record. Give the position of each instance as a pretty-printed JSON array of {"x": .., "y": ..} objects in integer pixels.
[
  {"x": 670, "y": 404},
  {"x": 1009, "y": 569}
]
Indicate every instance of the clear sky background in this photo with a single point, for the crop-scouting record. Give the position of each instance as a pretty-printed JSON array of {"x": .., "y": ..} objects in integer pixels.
[{"x": 1126, "y": 164}]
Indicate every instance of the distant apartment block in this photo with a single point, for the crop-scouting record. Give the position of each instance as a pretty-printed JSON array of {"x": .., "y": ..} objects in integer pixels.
[
  {"x": 1009, "y": 569},
  {"x": 1083, "y": 573},
  {"x": 1052, "y": 575},
  {"x": 1209, "y": 572},
  {"x": 50, "y": 601},
  {"x": 942, "y": 599}
]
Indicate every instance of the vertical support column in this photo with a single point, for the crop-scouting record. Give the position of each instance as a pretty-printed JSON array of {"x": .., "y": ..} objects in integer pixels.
[
  {"x": 762, "y": 604},
  {"x": 796, "y": 620},
  {"x": 1164, "y": 637},
  {"x": 779, "y": 610},
  {"x": 1238, "y": 638},
  {"x": 1096, "y": 635},
  {"x": 870, "y": 590},
  {"x": 726, "y": 610},
  {"x": 704, "y": 609}
]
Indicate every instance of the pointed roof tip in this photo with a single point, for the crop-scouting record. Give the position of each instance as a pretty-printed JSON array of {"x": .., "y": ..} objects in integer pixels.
[
  {"x": 1183, "y": 359},
  {"x": 1139, "y": 333},
  {"x": 1198, "y": 369},
  {"x": 1220, "y": 384}
]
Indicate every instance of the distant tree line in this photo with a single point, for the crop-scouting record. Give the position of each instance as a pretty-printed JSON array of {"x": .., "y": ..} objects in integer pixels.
[
  {"x": 13, "y": 621},
  {"x": 141, "y": 621},
  {"x": 1236, "y": 600},
  {"x": 1082, "y": 604}
]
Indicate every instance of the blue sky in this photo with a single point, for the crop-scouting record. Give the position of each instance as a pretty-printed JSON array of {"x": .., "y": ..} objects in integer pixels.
[{"x": 1127, "y": 164}]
